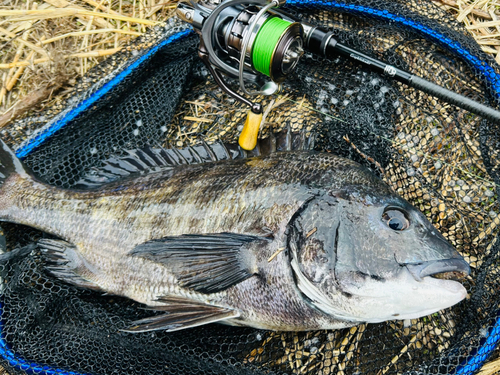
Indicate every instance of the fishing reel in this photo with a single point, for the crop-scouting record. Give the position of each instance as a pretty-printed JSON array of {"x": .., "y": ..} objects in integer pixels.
[
  {"x": 260, "y": 45},
  {"x": 247, "y": 42}
]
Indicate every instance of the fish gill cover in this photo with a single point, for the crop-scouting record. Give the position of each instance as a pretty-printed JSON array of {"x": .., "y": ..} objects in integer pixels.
[{"x": 445, "y": 161}]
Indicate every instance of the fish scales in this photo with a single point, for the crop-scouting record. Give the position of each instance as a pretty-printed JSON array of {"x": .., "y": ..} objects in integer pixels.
[
  {"x": 195, "y": 241},
  {"x": 156, "y": 204}
]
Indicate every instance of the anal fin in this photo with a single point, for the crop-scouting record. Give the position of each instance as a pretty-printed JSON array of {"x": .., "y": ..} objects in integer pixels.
[
  {"x": 181, "y": 313},
  {"x": 64, "y": 262}
]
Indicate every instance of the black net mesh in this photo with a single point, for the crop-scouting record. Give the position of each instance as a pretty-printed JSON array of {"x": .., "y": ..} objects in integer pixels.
[{"x": 442, "y": 159}]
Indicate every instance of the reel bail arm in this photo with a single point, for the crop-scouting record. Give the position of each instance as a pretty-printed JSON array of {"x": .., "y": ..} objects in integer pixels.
[{"x": 249, "y": 134}]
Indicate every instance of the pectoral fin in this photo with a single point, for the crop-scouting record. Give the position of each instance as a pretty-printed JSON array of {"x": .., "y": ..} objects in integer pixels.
[
  {"x": 182, "y": 313},
  {"x": 206, "y": 263}
]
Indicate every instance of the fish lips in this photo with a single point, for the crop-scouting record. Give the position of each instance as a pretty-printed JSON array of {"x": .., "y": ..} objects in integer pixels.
[{"x": 448, "y": 269}]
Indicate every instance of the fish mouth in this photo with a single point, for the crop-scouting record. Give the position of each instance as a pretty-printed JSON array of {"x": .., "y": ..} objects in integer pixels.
[{"x": 454, "y": 269}]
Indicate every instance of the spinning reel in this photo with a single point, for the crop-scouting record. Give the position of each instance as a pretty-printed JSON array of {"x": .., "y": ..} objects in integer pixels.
[{"x": 250, "y": 41}]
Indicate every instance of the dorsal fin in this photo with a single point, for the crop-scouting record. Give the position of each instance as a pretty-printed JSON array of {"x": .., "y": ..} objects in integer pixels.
[{"x": 151, "y": 159}]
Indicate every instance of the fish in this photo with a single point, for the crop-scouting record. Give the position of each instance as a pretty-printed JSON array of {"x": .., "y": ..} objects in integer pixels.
[{"x": 291, "y": 240}]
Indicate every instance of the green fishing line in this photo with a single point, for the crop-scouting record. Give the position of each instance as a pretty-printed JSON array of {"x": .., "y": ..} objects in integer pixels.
[{"x": 265, "y": 42}]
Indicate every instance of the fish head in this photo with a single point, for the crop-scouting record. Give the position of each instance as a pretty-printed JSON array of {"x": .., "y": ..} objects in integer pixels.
[{"x": 363, "y": 256}]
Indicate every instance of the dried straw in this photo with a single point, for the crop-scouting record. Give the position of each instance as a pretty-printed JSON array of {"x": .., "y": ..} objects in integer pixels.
[
  {"x": 481, "y": 18},
  {"x": 47, "y": 45}
]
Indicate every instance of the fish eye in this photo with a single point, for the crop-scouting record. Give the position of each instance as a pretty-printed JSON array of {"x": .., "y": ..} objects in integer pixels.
[{"x": 395, "y": 219}]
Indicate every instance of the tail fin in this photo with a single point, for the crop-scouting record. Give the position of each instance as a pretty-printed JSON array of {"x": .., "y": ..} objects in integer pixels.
[{"x": 10, "y": 164}]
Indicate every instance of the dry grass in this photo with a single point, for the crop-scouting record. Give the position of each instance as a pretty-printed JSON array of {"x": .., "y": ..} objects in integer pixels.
[
  {"x": 45, "y": 46},
  {"x": 481, "y": 18}
]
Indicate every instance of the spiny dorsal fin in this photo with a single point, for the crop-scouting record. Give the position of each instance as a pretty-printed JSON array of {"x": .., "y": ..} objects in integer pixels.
[{"x": 150, "y": 159}]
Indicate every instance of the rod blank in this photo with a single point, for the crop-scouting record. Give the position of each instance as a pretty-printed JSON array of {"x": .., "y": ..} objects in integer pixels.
[{"x": 321, "y": 42}]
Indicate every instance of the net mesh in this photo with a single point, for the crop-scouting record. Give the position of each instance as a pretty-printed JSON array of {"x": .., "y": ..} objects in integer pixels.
[{"x": 442, "y": 159}]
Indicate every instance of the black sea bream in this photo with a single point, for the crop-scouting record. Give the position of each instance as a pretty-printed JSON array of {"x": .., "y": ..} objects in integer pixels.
[{"x": 294, "y": 240}]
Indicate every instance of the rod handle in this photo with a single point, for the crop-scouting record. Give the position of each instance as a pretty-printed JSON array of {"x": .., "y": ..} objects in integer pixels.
[{"x": 454, "y": 98}]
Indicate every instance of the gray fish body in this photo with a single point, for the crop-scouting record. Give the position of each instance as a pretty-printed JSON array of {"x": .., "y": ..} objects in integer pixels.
[{"x": 296, "y": 239}]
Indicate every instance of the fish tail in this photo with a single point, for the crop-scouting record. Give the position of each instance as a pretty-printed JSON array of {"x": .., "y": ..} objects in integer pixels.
[{"x": 10, "y": 164}]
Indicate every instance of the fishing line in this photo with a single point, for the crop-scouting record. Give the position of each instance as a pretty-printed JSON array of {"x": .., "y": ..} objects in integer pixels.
[{"x": 266, "y": 42}]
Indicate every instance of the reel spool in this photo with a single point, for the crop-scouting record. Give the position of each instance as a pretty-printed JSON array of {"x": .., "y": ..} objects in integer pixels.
[{"x": 263, "y": 42}]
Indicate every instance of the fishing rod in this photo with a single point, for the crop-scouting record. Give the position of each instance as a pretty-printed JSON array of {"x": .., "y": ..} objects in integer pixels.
[{"x": 251, "y": 40}]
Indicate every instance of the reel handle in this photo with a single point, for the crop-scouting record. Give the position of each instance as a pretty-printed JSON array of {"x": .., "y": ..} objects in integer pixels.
[{"x": 250, "y": 132}]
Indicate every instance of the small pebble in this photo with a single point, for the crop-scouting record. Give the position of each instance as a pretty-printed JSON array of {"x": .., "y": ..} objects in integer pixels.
[{"x": 489, "y": 193}]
